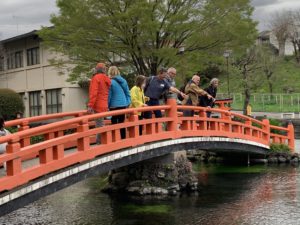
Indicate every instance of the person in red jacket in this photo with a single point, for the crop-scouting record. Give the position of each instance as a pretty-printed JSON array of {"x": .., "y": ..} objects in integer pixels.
[{"x": 98, "y": 94}]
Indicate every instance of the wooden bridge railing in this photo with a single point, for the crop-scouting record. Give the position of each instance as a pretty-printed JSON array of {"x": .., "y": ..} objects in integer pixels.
[{"x": 52, "y": 155}]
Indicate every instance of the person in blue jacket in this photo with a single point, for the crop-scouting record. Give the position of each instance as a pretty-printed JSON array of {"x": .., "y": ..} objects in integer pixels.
[{"x": 119, "y": 96}]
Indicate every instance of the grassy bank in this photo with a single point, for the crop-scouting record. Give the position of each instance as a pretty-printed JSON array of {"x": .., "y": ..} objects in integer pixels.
[{"x": 286, "y": 87}]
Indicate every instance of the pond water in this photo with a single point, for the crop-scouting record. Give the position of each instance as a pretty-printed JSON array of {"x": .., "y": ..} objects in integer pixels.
[{"x": 228, "y": 195}]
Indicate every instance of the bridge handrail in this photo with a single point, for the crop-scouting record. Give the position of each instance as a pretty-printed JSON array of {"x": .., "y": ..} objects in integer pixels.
[
  {"x": 51, "y": 151},
  {"x": 27, "y": 121},
  {"x": 39, "y": 130}
]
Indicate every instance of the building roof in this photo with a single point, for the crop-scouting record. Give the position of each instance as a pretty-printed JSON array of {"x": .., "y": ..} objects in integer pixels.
[
  {"x": 15, "y": 38},
  {"x": 264, "y": 34}
]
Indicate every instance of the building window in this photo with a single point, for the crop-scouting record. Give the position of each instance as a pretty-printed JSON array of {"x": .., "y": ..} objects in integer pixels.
[
  {"x": 54, "y": 101},
  {"x": 15, "y": 60},
  {"x": 35, "y": 106},
  {"x": 33, "y": 56}
]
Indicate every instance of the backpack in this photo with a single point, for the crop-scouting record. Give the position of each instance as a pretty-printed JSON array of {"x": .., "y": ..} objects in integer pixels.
[{"x": 148, "y": 81}]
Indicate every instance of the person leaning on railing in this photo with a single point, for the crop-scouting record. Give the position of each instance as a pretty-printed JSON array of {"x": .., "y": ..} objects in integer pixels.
[
  {"x": 98, "y": 94},
  {"x": 193, "y": 90},
  {"x": 138, "y": 99},
  {"x": 212, "y": 89},
  {"x": 155, "y": 87}
]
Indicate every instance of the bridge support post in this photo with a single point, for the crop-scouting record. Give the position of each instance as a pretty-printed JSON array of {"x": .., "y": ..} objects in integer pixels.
[
  {"x": 266, "y": 135},
  {"x": 26, "y": 141},
  {"x": 291, "y": 136},
  {"x": 14, "y": 166},
  {"x": 46, "y": 155},
  {"x": 172, "y": 113},
  {"x": 84, "y": 142},
  {"x": 58, "y": 150},
  {"x": 134, "y": 131},
  {"x": 227, "y": 126}
]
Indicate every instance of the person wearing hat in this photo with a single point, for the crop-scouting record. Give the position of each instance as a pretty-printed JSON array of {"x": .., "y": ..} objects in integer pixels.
[
  {"x": 155, "y": 87},
  {"x": 98, "y": 94}
]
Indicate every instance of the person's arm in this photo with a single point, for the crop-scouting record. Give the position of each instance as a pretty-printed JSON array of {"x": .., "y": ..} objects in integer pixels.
[
  {"x": 110, "y": 94},
  {"x": 175, "y": 90},
  {"x": 127, "y": 93},
  {"x": 200, "y": 91}
]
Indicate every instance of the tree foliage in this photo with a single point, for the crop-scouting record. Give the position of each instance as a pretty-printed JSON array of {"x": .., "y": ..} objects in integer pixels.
[
  {"x": 248, "y": 64},
  {"x": 146, "y": 34},
  {"x": 10, "y": 103}
]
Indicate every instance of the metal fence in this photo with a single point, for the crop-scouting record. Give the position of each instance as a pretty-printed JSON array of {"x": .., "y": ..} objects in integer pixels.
[{"x": 266, "y": 102}]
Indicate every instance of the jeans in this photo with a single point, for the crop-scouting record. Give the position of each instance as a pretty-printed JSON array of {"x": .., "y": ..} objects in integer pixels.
[
  {"x": 148, "y": 114},
  {"x": 99, "y": 123},
  {"x": 119, "y": 119}
]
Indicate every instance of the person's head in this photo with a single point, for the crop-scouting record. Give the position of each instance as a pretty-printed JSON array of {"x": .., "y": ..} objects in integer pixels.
[
  {"x": 1, "y": 123},
  {"x": 214, "y": 82},
  {"x": 113, "y": 71},
  {"x": 172, "y": 72},
  {"x": 162, "y": 73},
  {"x": 100, "y": 68},
  {"x": 140, "y": 81},
  {"x": 196, "y": 79}
]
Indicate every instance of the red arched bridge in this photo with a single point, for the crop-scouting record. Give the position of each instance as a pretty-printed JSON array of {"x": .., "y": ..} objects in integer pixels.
[{"x": 66, "y": 153}]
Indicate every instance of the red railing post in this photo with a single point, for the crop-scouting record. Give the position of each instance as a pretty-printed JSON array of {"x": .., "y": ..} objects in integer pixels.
[
  {"x": 172, "y": 113},
  {"x": 83, "y": 143},
  {"x": 25, "y": 141},
  {"x": 291, "y": 136},
  {"x": 46, "y": 155},
  {"x": 247, "y": 128},
  {"x": 227, "y": 125},
  {"x": 267, "y": 131},
  {"x": 134, "y": 130},
  {"x": 204, "y": 124},
  {"x": 58, "y": 150},
  {"x": 14, "y": 166}
]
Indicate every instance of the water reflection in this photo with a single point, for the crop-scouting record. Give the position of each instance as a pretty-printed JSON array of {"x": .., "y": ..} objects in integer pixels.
[{"x": 227, "y": 195}]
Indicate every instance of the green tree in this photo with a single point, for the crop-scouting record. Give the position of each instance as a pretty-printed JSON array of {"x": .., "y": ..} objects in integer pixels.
[
  {"x": 10, "y": 103},
  {"x": 147, "y": 34},
  {"x": 268, "y": 59},
  {"x": 248, "y": 65}
]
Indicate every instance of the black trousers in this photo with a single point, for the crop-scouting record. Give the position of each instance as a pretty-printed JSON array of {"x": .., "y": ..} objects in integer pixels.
[
  {"x": 157, "y": 113},
  {"x": 119, "y": 119}
]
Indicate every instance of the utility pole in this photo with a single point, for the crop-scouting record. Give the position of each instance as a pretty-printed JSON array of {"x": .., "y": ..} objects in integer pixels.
[{"x": 227, "y": 55}]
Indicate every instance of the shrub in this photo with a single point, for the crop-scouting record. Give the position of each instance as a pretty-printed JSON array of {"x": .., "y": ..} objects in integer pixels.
[
  {"x": 277, "y": 123},
  {"x": 282, "y": 148},
  {"x": 10, "y": 104}
]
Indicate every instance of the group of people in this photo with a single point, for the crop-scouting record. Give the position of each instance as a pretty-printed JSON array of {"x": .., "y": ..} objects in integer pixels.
[{"x": 109, "y": 91}]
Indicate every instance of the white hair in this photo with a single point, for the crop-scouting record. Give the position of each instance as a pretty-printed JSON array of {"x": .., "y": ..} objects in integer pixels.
[
  {"x": 171, "y": 69},
  {"x": 214, "y": 80}
]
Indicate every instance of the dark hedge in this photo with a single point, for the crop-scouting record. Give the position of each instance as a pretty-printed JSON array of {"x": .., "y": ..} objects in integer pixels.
[{"x": 10, "y": 104}]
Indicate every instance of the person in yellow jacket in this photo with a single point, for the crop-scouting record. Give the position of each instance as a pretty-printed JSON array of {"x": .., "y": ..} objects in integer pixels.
[{"x": 138, "y": 98}]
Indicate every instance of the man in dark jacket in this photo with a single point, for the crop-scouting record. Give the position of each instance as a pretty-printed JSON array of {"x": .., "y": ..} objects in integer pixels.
[{"x": 155, "y": 87}]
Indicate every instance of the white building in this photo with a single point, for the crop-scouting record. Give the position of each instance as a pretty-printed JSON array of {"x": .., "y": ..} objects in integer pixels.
[
  {"x": 25, "y": 68},
  {"x": 269, "y": 37}
]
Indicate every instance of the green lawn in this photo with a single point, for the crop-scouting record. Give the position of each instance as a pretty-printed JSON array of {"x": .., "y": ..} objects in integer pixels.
[{"x": 286, "y": 82}]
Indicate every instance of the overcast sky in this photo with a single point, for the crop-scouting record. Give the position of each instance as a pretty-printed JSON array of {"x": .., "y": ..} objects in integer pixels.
[{"x": 21, "y": 16}]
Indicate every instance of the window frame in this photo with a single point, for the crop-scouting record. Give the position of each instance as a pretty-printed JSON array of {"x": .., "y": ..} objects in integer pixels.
[
  {"x": 33, "y": 56},
  {"x": 35, "y": 104},
  {"x": 53, "y": 101}
]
